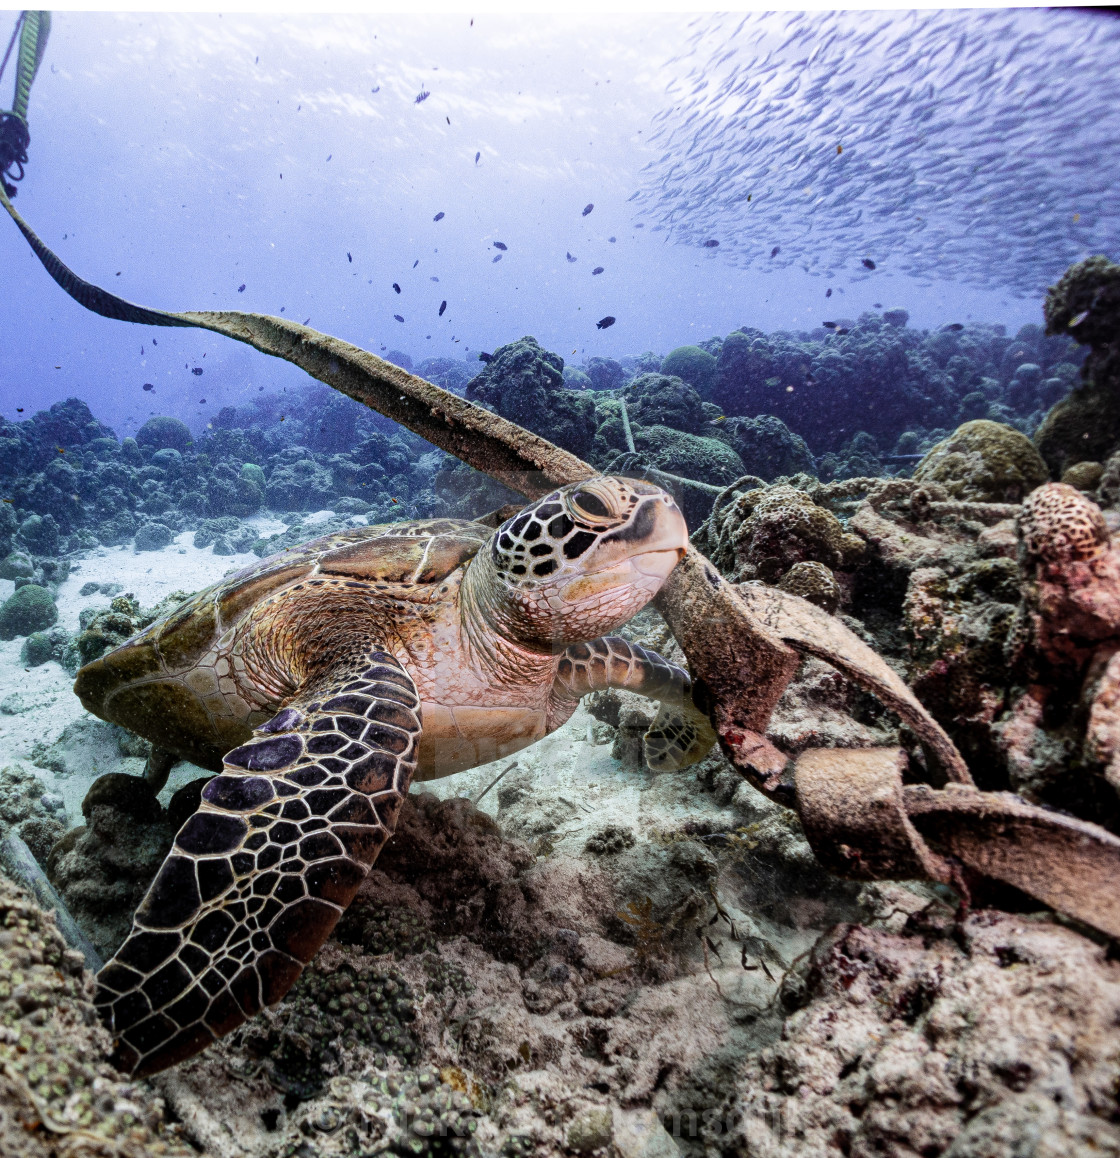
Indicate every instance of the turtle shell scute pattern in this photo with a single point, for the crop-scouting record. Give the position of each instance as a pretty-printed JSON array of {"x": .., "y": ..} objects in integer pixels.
[{"x": 260, "y": 874}]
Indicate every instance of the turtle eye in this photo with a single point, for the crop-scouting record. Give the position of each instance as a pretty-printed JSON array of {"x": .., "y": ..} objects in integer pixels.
[{"x": 587, "y": 505}]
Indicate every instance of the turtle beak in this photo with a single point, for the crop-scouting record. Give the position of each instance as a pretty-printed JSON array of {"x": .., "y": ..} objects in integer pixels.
[{"x": 667, "y": 540}]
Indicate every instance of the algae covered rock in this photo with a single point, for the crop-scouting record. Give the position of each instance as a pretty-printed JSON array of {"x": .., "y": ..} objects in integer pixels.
[
  {"x": 30, "y": 608},
  {"x": 664, "y": 400},
  {"x": 525, "y": 383},
  {"x": 767, "y": 447},
  {"x": 985, "y": 462},
  {"x": 28, "y": 809},
  {"x": 1085, "y": 303},
  {"x": 690, "y": 455}
]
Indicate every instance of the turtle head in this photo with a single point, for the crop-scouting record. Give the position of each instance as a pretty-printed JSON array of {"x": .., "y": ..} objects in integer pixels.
[{"x": 580, "y": 562}]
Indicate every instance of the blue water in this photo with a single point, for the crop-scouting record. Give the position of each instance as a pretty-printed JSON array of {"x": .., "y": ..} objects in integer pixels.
[{"x": 176, "y": 158}]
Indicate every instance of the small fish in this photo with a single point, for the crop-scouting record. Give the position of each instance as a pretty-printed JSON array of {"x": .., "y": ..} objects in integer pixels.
[
  {"x": 497, "y": 257},
  {"x": 398, "y": 317},
  {"x": 9, "y": 500},
  {"x": 597, "y": 270},
  {"x": 19, "y": 409},
  {"x": 721, "y": 418},
  {"x": 484, "y": 357},
  {"x": 867, "y": 263},
  {"x": 393, "y": 500},
  {"x": 148, "y": 386},
  {"x": 154, "y": 342},
  {"x": 711, "y": 243},
  {"x": 442, "y": 307},
  {"x": 605, "y": 323},
  {"x": 282, "y": 417},
  {"x": 348, "y": 257},
  {"x": 197, "y": 371},
  {"x": 569, "y": 256},
  {"x": 829, "y": 325},
  {"x": 60, "y": 450},
  {"x": 775, "y": 251},
  {"x": 202, "y": 402},
  {"x": 476, "y": 157},
  {"x": 424, "y": 94},
  {"x": 439, "y": 216},
  {"x": 839, "y": 149},
  {"x": 1079, "y": 319},
  {"x": 376, "y": 88},
  {"x": 415, "y": 263},
  {"x": 953, "y": 327},
  {"x": 447, "y": 119},
  {"x": 587, "y": 209},
  {"x": 396, "y": 287},
  {"x": 828, "y": 293},
  {"x": 612, "y": 240},
  {"x": 241, "y": 288},
  {"x": 329, "y": 155},
  {"x": 306, "y": 320},
  {"x": 876, "y": 305},
  {"x": 501, "y": 245}
]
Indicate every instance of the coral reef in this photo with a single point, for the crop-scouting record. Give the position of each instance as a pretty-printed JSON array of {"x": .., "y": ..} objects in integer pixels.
[
  {"x": 984, "y": 462},
  {"x": 767, "y": 447}
]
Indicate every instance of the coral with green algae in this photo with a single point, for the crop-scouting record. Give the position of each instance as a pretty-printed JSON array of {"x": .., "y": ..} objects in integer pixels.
[
  {"x": 691, "y": 455},
  {"x": 104, "y": 630},
  {"x": 697, "y": 367},
  {"x": 1085, "y": 303},
  {"x": 59, "y": 1096},
  {"x": 762, "y": 533},
  {"x": 984, "y": 462},
  {"x": 665, "y": 400},
  {"x": 30, "y": 608}
]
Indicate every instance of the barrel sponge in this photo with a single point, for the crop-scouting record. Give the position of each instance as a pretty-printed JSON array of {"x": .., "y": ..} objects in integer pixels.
[
  {"x": 984, "y": 462},
  {"x": 1060, "y": 525},
  {"x": 29, "y": 609}
]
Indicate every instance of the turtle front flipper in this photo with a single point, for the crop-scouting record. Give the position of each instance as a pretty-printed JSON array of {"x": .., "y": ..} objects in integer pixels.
[
  {"x": 680, "y": 734},
  {"x": 260, "y": 874}
]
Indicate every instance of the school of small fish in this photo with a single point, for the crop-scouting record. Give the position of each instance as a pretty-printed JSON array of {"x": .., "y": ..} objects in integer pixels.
[{"x": 975, "y": 145}]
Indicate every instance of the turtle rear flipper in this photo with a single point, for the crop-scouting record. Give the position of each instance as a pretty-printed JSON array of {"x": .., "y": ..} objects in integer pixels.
[
  {"x": 678, "y": 737},
  {"x": 260, "y": 874}
]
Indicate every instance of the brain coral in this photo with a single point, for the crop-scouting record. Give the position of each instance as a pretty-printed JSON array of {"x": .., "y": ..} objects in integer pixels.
[
  {"x": 984, "y": 462},
  {"x": 697, "y": 367},
  {"x": 1060, "y": 525},
  {"x": 30, "y": 609},
  {"x": 163, "y": 433}
]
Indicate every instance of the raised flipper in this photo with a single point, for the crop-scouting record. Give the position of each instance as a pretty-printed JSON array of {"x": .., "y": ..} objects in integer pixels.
[
  {"x": 260, "y": 874},
  {"x": 680, "y": 734}
]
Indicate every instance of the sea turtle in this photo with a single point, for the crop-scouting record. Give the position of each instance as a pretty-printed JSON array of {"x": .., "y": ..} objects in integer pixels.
[{"x": 318, "y": 682}]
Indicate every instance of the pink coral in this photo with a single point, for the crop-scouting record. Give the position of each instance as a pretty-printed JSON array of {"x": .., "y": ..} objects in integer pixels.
[{"x": 1060, "y": 525}]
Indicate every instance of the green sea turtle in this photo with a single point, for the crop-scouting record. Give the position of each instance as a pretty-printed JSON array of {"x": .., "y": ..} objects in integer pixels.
[{"x": 318, "y": 682}]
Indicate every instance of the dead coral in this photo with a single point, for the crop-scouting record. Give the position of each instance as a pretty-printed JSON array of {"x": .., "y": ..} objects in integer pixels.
[
  {"x": 29, "y": 810},
  {"x": 59, "y": 1097},
  {"x": 905, "y": 1043},
  {"x": 103, "y": 868}
]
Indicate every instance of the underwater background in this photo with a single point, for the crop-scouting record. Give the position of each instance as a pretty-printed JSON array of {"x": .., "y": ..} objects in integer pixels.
[{"x": 843, "y": 283}]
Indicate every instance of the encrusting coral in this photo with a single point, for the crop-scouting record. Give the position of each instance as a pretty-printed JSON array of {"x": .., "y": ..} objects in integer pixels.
[{"x": 984, "y": 462}]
